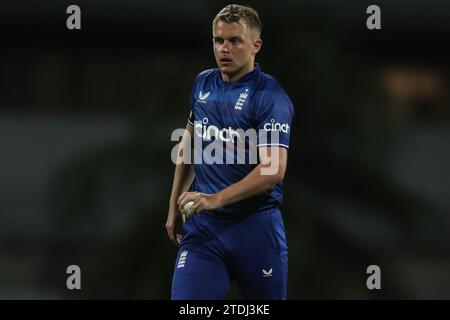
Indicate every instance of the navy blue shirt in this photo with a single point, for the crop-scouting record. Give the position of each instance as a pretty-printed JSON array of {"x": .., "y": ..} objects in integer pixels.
[{"x": 227, "y": 114}]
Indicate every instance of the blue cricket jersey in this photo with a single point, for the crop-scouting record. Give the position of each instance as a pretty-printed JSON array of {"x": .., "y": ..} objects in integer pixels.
[{"x": 225, "y": 114}]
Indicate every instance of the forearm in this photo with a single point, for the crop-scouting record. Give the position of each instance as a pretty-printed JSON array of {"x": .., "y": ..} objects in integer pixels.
[
  {"x": 183, "y": 177},
  {"x": 184, "y": 170},
  {"x": 254, "y": 183}
]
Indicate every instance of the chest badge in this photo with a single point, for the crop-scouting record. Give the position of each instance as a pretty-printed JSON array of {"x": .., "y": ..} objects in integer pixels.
[{"x": 241, "y": 100}]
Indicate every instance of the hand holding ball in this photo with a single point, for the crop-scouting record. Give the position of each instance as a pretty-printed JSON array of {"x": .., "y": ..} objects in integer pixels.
[{"x": 184, "y": 211}]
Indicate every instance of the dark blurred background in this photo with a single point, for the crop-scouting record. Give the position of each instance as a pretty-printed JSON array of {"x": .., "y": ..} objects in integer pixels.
[{"x": 86, "y": 118}]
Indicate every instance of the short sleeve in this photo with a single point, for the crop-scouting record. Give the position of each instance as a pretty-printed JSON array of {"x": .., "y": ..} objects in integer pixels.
[
  {"x": 274, "y": 116},
  {"x": 191, "y": 118}
]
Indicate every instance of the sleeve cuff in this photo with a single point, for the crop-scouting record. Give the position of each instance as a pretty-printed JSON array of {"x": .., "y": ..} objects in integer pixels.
[{"x": 273, "y": 145}]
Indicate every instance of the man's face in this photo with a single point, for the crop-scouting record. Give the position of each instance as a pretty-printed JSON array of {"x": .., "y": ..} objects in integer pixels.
[{"x": 234, "y": 47}]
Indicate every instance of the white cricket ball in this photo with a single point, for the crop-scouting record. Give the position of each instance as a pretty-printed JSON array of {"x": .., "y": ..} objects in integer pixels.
[{"x": 184, "y": 211}]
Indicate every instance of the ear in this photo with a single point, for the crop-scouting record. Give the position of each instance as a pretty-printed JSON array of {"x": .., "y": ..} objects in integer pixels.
[{"x": 257, "y": 44}]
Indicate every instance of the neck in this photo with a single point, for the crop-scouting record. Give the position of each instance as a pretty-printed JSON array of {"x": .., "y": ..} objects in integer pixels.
[{"x": 232, "y": 78}]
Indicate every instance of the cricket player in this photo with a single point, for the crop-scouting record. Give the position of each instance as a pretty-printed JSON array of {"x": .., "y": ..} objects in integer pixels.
[{"x": 234, "y": 230}]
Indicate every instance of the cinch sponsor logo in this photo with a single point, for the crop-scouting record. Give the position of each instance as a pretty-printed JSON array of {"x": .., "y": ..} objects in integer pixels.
[
  {"x": 275, "y": 126},
  {"x": 207, "y": 132}
]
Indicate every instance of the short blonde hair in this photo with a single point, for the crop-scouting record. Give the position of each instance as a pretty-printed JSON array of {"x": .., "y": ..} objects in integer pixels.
[{"x": 236, "y": 12}]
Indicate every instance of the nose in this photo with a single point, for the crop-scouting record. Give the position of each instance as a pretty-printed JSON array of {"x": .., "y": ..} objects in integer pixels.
[{"x": 225, "y": 48}]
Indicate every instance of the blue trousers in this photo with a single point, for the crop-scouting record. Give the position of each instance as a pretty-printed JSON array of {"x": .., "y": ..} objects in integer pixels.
[{"x": 215, "y": 251}]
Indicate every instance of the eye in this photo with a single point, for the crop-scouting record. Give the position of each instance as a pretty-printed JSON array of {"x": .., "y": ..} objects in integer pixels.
[{"x": 218, "y": 40}]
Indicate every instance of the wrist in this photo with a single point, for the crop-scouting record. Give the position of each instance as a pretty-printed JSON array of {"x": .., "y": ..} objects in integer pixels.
[{"x": 219, "y": 199}]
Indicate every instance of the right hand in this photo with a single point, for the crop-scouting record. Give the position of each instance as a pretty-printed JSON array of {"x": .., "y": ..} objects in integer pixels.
[{"x": 170, "y": 224}]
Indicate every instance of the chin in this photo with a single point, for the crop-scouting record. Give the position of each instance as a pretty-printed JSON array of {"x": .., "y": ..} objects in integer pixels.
[
  {"x": 225, "y": 69},
  {"x": 228, "y": 70}
]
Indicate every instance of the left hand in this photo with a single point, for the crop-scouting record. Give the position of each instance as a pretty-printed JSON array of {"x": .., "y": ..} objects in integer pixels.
[{"x": 202, "y": 201}]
